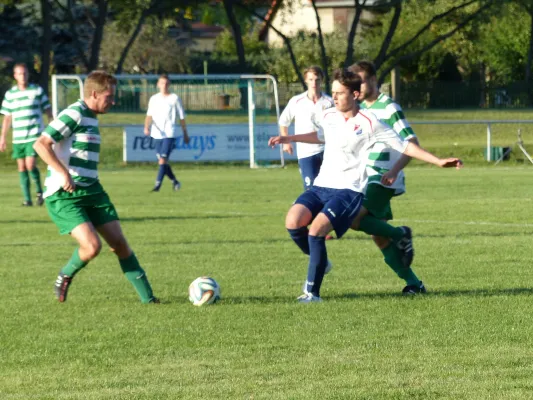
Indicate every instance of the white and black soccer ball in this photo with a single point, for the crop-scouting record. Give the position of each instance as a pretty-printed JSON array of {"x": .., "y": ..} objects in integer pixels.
[{"x": 204, "y": 290}]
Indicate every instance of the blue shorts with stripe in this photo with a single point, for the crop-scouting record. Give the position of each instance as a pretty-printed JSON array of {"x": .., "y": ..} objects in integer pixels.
[
  {"x": 341, "y": 206},
  {"x": 309, "y": 168},
  {"x": 163, "y": 147}
]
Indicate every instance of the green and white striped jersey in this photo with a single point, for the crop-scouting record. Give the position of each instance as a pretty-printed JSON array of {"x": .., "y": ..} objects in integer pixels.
[
  {"x": 77, "y": 145},
  {"x": 26, "y": 109},
  {"x": 382, "y": 158}
]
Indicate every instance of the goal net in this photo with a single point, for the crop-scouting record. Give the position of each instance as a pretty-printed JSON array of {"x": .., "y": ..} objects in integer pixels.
[{"x": 229, "y": 117}]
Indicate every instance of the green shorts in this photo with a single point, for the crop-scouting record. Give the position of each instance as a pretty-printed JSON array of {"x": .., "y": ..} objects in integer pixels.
[
  {"x": 377, "y": 201},
  {"x": 23, "y": 150},
  {"x": 68, "y": 210}
]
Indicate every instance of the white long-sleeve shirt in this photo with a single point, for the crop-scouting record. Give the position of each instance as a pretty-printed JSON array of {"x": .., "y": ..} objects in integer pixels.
[
  {"x": 347, "y": 144},
  {"x": 301, "y": 109},
  {"x": 164, "y": 110}
]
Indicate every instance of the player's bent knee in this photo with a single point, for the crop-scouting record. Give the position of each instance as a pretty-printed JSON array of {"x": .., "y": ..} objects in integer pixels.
[
  {"x": 121, "y": 248},
  {"x": 297, "y": 217},
  {"x": 91, "y": 248}
]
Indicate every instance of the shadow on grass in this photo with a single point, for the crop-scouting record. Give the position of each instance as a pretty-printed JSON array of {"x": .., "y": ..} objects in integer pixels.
[{"x": 230, "y": 300}]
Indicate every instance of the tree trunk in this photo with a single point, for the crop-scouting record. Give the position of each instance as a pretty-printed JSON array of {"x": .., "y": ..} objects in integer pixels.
[
  {"x": 46, "y": 48},
  {"x": 239, "y": 45},
  {"x": 98, "y": 34},
  {"x": 351, "y": 36},
  {"x": 131, "y": 40},
  {"x": 286, "y": 40},
  {"x": 323, "y": 55},
  {"x": 529, "y": 60}
]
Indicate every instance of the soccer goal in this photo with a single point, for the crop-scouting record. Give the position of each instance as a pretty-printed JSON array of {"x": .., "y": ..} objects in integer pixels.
[{"x": 229, "y": 117}]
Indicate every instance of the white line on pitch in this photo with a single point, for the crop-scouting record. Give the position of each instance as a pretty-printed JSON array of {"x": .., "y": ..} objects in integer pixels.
[{"x": 430, "y": 221}]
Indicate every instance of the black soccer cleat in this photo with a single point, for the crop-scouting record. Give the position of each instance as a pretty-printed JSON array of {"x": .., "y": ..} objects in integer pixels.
[
  {"x": 154, "y": 300},
  {"x": 411, "y": 290},
  {"x": 61, "y": 287},
  {"x": 405, "y": 245},
  {"x": 27, "y": 204},
  {"x": 39, "y": 199}
]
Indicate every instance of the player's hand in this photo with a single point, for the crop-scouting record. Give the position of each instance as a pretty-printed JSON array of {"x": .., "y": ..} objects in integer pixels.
[
  {"x": 2, "y": 145},
  {"x": 450, "y": 163},
  {"x": 389, "y": 178},
  {"x": 274, "y": 140},
  {"x": 186, "y": 138},
  {"x": 68, "y": 185},
  {"x": 147, "y": 132},
  {"x": 287, "y": 148}
]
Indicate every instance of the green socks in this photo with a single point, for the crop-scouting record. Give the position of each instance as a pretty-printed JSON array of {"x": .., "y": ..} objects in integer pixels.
[
  {"x": 374, "y": 226},
  {"x": 74, "y": 265},
  {"x": 394, "y": 261},
  {"x": 25, "y": 185},
  {"x": 36, "y": 177},
  {"x": 135, "y": 274}
]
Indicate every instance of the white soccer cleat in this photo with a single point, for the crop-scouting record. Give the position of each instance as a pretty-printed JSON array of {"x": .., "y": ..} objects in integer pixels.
[{"x": 309, "y": 298}]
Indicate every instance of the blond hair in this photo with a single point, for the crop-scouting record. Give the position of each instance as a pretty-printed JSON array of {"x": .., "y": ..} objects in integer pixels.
[{"x": 98, "y": 81}]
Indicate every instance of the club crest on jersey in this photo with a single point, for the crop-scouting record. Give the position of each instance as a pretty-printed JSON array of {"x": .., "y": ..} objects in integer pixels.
[{"x": 357, "y": 129}]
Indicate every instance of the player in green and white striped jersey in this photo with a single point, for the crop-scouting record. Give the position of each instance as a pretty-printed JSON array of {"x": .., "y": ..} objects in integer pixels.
[
  {"x": 74, "y": 197},
  {"x": 23, "y": 108},
  {"x": 380, "y": 161}
]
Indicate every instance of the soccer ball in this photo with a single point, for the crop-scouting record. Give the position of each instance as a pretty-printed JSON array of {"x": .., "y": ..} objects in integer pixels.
[{"x": 204, "y": 290}]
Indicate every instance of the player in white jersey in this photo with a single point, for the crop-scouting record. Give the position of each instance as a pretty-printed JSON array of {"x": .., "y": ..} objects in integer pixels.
[
  {"x": 163, "y": 110},
  {"x": 380, "y": 162},
  {"x": 301, "y": 109},
  {"x": 23, "y": 107},
  {"x": 337, "y": 194}
]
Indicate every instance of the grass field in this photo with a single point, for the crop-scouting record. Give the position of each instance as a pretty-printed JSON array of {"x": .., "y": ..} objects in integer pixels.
[{"x": 468, "y": 338}]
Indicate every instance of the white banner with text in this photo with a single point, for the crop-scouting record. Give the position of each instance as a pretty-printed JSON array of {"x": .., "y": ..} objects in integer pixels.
[{"x": 208, "y": 142}]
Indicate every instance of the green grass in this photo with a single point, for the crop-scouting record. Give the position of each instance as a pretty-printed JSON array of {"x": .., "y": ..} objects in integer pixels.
[{"x": 469, "y": 338}]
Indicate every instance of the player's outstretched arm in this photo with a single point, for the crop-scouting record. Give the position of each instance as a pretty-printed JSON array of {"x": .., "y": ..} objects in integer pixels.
[
  {"x": 415, "y": 151},
  {"x": 6, "y": 124},
  {"x": 287, "y": 147},
  {"x": 304, "y": 138}
]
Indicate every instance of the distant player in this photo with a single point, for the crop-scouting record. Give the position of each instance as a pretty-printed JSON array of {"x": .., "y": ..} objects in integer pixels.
[
  {"x": 337, "y": 194},
  {"x": 163, "y": 109},
  {"x": 74, "y": 197},
  {"x": 380, "y": 161},
  {"x": 301, "y": 109},
  {"x": 23, "y": 107}
]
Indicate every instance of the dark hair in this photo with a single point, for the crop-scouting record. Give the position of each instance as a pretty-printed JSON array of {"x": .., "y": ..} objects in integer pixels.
[
  {"x": 348, "y": 78},
  {"x": 164, "y": 76},
  {"x": 364, "y": 66},
  {"x": 315, "y": 70}
]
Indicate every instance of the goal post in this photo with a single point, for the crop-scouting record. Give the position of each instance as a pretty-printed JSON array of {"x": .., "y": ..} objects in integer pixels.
[{"x": 236, "y": 113}]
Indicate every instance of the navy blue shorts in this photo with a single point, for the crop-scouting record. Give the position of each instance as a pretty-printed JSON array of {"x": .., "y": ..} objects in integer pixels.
[
  {"x": 163, "y": 147},
  {"x": 309, "y": 168},
  {"x": 340, "y": 205}
]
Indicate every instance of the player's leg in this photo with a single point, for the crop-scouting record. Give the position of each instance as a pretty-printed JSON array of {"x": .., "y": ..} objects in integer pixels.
[
  {"x": 104, "y": 217},
  {"x": 169, "y": 145},
  {"x": 31, "y": 167},
  {"x": 300, "y": 215},
  {"x": 161, "y": 161},
  {"x": 70, "y": 217},
  {"x": 338, "y": 212},
  {"x": 309, "y": 169},
  {"x": 112, "y": 234},
  {"x": 394, "y": 259},
  {"x": 19, "y": 154}
]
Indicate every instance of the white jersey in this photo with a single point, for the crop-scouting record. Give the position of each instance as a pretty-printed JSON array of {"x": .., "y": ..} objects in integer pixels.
[
  {"x": 347, "y": 144},
  {"x": 164, "y": 110},
  {"x": 302, "y": 110}
]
